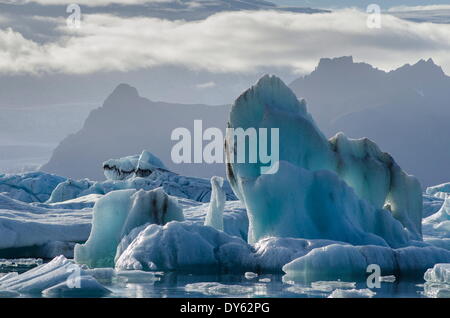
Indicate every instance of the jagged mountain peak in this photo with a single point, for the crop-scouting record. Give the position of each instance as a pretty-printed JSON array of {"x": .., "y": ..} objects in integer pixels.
[{"x": 123, "y": 93}]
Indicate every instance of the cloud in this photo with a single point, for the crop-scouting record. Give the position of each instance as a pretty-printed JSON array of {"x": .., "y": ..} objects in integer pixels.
[
  {"x": 89, "y": 3},
  {"x": 420, "y": 8},
  {"x": 206, "y": 85},
  {"x": 226, "y": 42}
]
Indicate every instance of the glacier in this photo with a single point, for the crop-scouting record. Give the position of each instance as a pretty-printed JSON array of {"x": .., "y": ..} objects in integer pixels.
[{"x": 366, "y": 194}]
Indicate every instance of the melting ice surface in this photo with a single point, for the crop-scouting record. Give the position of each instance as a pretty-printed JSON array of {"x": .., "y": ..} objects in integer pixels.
[{"x": 334, "y": 207}]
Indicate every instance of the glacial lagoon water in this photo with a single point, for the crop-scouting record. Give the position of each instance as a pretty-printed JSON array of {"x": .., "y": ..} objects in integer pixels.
[{"x": 171, "y": 284}]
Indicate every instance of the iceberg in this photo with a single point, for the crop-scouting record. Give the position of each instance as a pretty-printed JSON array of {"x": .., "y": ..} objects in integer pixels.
[
  {"x": 441, "y": 191},
  {"x": 341, "y": 189},
  {"x": 144, "y": 172},
  {"x": 116, "y": 215},
  {"x": 141, "y": 165},
  {"x": 214, "y": 217},
  {"x": 183, "y": 246},
  {"x": 29, "y": 187},
  {"x": 217, "y": 289},
  {"x": 437, "y": 281},
  {"x": 87, "y": 287},
  {"x": 339, "y": 261},
  {"x": 32, "y": 231},
  {"x": 438, "y": 224},
  {"x": 440, "y": 273},
  {"x": 53, "y": 278},
  {"x": 69, "y": 190},
  {"x": 352, "y": 293}
]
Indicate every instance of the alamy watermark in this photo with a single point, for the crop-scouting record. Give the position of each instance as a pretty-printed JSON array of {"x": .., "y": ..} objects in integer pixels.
[
  {"x": 248, "y": 146},
  {"x": 74, "y": 19},
  {"x": 374, "y": 18}
]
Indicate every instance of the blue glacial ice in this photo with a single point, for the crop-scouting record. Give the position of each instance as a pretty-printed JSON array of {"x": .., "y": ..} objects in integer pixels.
[
  {"x": 54, "y": 278},
  {"x": 45, "y": 232},
  {"x": 366, "y": 194},
  {"x": 437, "y": 281},
  {"x": 29, "y": 187},
  {"x": 214, "y": 217},
  {"x": 183, "y": 247},
  {"x": 116, "y": 215},
  {"x": 334, "y": 207},
  {"x": 141, "y": 165},
  {"x": 136, "y": 173},
  {"x": 439, "y": 191}
]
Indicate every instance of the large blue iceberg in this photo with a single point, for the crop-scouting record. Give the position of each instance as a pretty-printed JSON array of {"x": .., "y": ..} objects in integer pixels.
[{"x": 338, "y": 189}]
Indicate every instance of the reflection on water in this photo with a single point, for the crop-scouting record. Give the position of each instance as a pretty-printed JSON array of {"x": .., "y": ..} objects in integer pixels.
[
  {"x": 162, "y": 285},
  {"x": 182, "y": 285}
]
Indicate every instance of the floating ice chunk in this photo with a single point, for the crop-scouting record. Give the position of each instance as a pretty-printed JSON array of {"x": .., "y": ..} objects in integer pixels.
[
  {"x": 265, "y": 280},
  {"x": 184, "y": 246},
  {"x": 86, "y": 286},
  {"x": 431, "y": 205},
  {"x": 316, "y": 175},
  {"x": 217, "y": 289},
  {"x": 388, "y": 279},
  {"x": 214, "y": 217},
  {"x": 441, "y": 191},
  {"x": 137, "y": 276},
  {"x": 250, "y": 275},
  {"x": 34, "y": 228},
  {"x": 346, "y": 261},
  {"x": 79, "y": 203},
  {"x": 41, "y": 277},
  {"x": 116, "y": 215},
  {"x": 440, "y": 273},
  {"x": 272, "y": 253},
  {"x": 59, "y": 277},
  {"x": 21, "y": 262},
  {"x": 69, "y": 190},
  {"x": 334, "y": 261},
  {"x": 173, "y": 184},
  {"x": 29, "y": 187},
  {"x": 329, "y": 286},
  {"x": 435, "y": 290},
  {"x": 352, "y": 293},
  {"x": 139, "y": 165},
  {"x": 8, "y": 276},
  {"x": 438, "y": 224}
]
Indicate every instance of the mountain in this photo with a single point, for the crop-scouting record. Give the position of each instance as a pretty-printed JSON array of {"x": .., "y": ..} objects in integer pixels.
[
  {"x": 405, "y": 111},
  {"x": 127, "y": 124}
]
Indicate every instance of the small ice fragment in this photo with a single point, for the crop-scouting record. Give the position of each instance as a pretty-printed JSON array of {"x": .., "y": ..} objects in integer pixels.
[
  {"x": 250, "y": 275},
  {"x": 352, "y": 293},
  {"x": 387, "y": 279}
]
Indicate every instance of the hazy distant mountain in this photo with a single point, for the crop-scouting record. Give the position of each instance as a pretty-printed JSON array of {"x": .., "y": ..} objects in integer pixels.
[
  {"x": 126, "y": 124},
  {"x": 405, "y": 111}
]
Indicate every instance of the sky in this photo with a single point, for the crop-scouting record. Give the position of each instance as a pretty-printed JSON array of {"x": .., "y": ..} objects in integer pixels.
[
  {"x": 360, "y": 3},
  {"x": 239, "y": 41}
]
